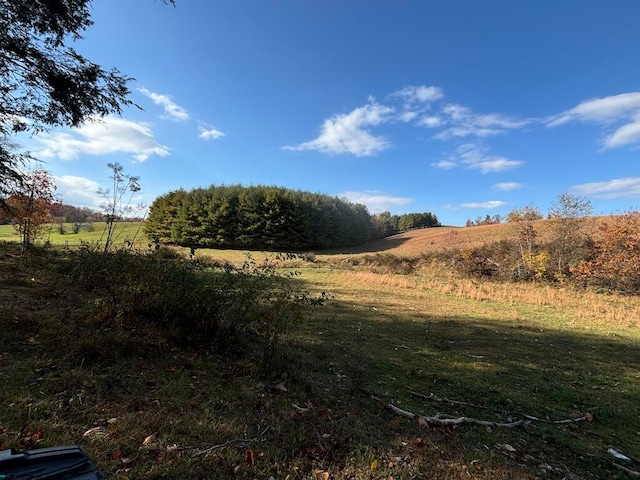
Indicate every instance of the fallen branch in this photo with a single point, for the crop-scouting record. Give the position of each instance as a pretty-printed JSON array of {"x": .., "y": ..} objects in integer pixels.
[
  {"x": 628, "y": 471},
  {"x": 440, "y": 422},
  {"x": 434, "y": 398},
  {"x": 208, "y": 448}
]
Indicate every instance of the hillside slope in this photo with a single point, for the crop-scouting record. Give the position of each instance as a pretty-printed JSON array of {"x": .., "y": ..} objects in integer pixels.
[{"x": 414, "y": 242}]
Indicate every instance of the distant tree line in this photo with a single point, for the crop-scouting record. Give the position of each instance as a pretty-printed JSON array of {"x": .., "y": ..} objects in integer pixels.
[
  {"x": 487, "y": 220},
  {"x": 267, "y": 218},
  {"x": 384, "y": 224}
]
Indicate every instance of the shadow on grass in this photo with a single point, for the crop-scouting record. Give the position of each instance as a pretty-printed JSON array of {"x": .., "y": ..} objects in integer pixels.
[
  {"x": 372, "y": 247},
  {"x": 507, "y": 366}
]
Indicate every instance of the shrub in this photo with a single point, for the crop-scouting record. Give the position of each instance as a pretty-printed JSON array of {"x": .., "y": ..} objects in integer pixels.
[
  {"x": 614, "y": 260},
  {"x": 389, "y": 263},
  {"x": 199, "y": 302}
]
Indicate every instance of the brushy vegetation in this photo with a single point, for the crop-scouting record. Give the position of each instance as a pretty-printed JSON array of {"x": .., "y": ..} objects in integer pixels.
[
  {"x": 569, "y": 254},
  {"x": 199, "y": 303}
]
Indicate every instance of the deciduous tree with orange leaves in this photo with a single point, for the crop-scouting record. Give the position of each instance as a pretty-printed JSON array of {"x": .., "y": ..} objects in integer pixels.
[
  {"x": 30, "y": 206},
  {"x": 614, "y": 262}
]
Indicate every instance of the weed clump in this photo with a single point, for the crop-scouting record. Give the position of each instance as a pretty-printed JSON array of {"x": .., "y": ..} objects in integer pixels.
[{"x": 198, "y": 302}]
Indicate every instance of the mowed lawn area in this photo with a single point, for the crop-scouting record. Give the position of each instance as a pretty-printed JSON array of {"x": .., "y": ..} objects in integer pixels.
[{"x": 553, "y": 373}]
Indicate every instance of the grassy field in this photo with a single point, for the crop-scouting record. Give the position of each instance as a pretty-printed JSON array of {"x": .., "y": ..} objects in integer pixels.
[
  {"x": 92, "y": 233},
  {"x": 429, "y": 343}
]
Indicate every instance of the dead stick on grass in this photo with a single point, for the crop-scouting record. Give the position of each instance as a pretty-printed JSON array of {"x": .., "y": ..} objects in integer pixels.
[
  {"x": 628, "y": 471},
  {"x": 437, "y": 399},
  {"x": 210, "y": 448},
  {"x": 447, "y": 422}
]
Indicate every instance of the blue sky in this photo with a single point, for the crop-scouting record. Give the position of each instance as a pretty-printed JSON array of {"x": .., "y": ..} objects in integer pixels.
[{"x": 460, "y": 108}]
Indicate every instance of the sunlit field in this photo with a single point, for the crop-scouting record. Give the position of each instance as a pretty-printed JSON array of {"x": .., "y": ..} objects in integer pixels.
[{"x": 91, "y": 233}]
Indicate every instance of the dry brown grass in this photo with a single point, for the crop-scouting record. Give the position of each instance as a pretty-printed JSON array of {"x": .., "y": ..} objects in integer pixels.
[
  {"x": 416, "y": 242},
  {"x": 580, "y": 309}
]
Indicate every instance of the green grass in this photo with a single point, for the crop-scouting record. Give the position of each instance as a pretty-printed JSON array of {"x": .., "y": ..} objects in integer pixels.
[
  {"x": 94, "y": 234},
  {"x": 379, "y": 336}
]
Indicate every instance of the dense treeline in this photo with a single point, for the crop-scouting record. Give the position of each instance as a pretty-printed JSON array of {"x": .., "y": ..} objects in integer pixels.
[
  {"x": 268, "y": 218},
  {"x": 384, "y": 224},
  {"x": 256, "y": 217}
]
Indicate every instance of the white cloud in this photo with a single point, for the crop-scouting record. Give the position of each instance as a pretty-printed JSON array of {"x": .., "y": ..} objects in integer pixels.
[
  {"x": 171, "y": 109},
  {"x": 472, "y": 156},
  {"x": 429, "y": 121},
  {"x": 622, "y": 110},
  {"x": 445, "y": 164},
  {"x": 407, "y": 116},
  {"x": 78, "y": 191},
  {"x": 495, "y": 164},
  {"x": 600, "y": 110},
  {"x": 210, "y": 133},
  {"x": 100, "y": 137},
  {"x": 616, "y": 188},
  {"x": 416, "y": 101},
  {"x": 505, "y": 186},
  {"x": 419, "y": 94},
  {"x": 490, "y": 204},
  {"x": 463, "y": 123},
  {"x": 376, "y": 202},
  {"x": 625, "y": 135},
  {"x": 349, "y": 133}
]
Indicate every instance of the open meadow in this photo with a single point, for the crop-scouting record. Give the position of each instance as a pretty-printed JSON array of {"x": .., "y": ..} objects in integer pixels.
[
  {"x": 397, "y": 376},
  {"x": 91, "y": 233}
]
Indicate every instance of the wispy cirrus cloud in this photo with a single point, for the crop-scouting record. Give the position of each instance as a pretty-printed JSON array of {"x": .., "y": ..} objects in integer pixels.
[
  {"x": 618, "y": 114},
  {"x": 429, "y": 121},
  {"x": 462, "y": 122},
  {"x": 416, "y": 102},
  {"x": 351, "y": 132},
  {"x": 419, "y": 94},
  {"x": 489, "y": 205},
  {"x": 172, "y": 110},
  {"x": 102, "y": 136},
  {"x": 445, "y": 164},
  {"x": 506, "y": 186},
  {"x": 376, "y": 202},
  {"x": 207, "y": 132},
  {"x": 617, "y": 188},
  {"x": 474, "y": 157}
]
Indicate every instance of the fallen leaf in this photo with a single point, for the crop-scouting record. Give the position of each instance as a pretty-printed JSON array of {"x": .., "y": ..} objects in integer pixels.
[
  {"x": 280, "y": 387},
  {"x": 321, "y": 475},
  {"x": 250, "y": 457},
  {"x": 506, "y": 447},
  {"x": 150, "y": 439},
  {"x": 95, "y": 432},
  {"x": 618, "y": 455},
  {"x": 374, "y": 465},
  {"x": 115, "y": 454},
  {"x": 30, "y": 440}
]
